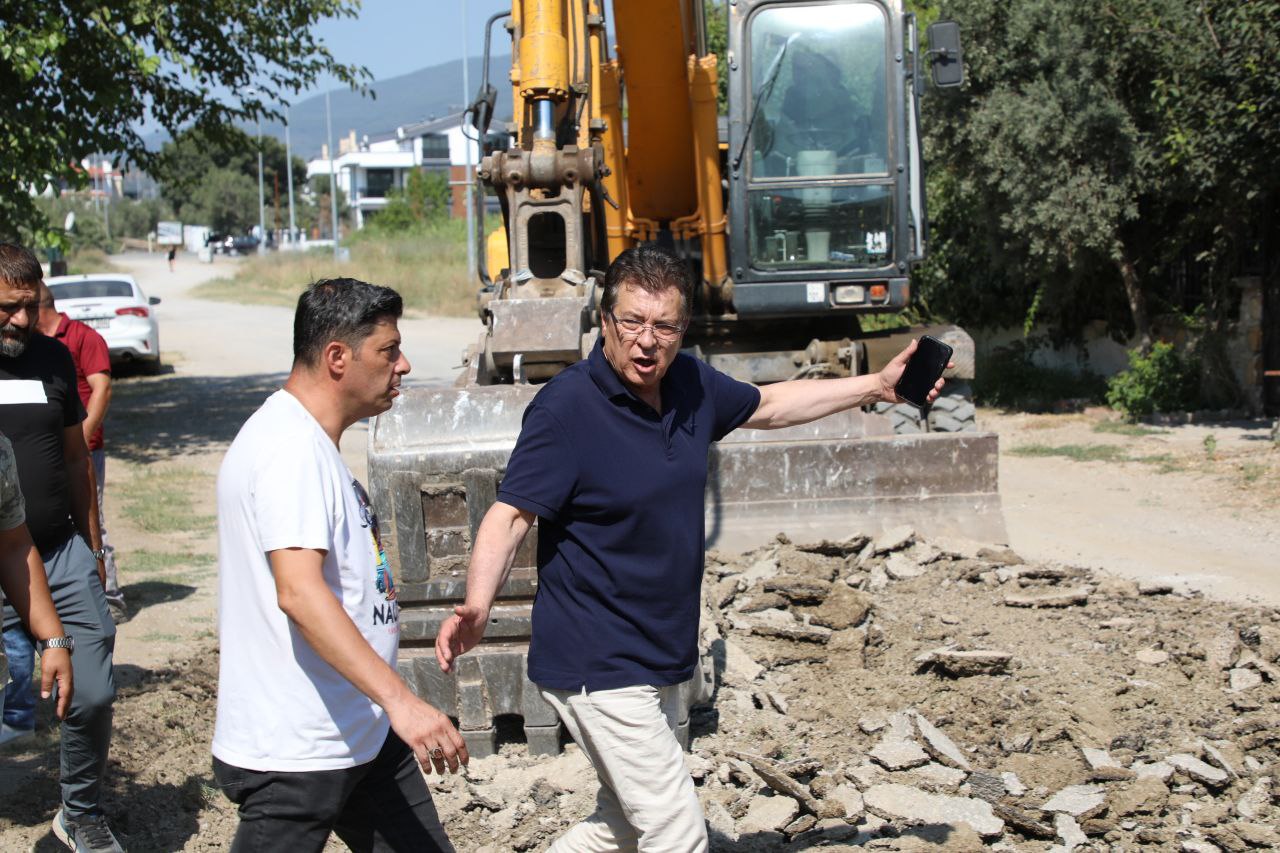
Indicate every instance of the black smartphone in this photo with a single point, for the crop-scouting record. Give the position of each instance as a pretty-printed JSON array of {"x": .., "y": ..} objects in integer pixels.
[{"x": 923, "y": 370}]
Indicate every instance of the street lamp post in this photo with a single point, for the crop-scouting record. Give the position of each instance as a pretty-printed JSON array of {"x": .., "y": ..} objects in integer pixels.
[
  {"x": 262, "y": 209},
  {"x": 333, "y": 182},
  {"x": 468, "y": 177},
  {"x": 288, "y": 170}
]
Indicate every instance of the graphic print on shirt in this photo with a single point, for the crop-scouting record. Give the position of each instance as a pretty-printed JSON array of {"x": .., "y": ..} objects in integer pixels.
[{"x": 388, "y": 614}]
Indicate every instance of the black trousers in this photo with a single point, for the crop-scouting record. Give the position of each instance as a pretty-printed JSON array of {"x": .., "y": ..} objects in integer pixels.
[{"x": 383, "y": 805}]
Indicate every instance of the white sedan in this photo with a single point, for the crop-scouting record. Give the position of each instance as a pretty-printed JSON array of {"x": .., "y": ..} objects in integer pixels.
[{"x": 114, "y": 306}]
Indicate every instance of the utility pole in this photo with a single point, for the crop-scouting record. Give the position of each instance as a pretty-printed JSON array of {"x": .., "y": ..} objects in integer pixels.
[
  {"x": 333, "y": 181},
  {"x": 466, "y": 186},
  {"x": 288, "y": 170},
  {"x": 106, "y": 197},
  {"x": 262, "y": 204}
]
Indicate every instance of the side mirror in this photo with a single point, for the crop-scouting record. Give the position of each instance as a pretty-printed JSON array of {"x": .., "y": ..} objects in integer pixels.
[
  {"x": 946, "y": 59},
  {"x": 153, "y": 300}
]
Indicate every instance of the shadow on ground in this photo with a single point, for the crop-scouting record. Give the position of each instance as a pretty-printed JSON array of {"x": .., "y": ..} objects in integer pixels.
[
  {"x": 154, "y": 797},
  {"x": 168, "y": 417},
  {"x": 144, "y": 594}
]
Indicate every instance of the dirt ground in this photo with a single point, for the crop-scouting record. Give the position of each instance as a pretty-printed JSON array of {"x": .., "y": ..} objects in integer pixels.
[{"x": 1196, "y": 507}]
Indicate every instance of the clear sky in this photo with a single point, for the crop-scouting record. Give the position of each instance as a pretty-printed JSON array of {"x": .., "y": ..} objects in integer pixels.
[{"x": 394, "y": 37}]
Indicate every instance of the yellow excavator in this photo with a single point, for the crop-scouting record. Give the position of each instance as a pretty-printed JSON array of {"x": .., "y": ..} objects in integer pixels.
[{"x": 801, "y": 214}]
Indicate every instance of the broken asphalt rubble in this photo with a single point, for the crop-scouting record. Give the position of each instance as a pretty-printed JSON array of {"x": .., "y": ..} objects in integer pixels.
[{"x": 897, "y": 694}]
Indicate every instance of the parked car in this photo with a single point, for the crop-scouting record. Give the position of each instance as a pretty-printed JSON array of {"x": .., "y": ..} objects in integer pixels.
[{"x": 116, "y": 307}]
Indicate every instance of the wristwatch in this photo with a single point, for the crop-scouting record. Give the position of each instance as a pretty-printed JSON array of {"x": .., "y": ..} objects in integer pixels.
[
  {"x": 68, "y": 642},
  {"x": 99, "y": 553}
]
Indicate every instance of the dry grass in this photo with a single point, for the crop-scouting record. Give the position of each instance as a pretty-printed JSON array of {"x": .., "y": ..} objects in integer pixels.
[
  {"x": 89, "y": 260},
  {"x": 428, "y": 268}
]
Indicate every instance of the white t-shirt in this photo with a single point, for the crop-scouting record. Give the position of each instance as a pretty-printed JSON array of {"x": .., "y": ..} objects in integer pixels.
[{"x": 283, "y": 484}]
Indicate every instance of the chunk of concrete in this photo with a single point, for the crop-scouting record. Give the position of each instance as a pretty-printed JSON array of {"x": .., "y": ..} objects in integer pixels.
[
  {"x": 843, "y": 608},
  {"x": 740, "y": 668},
  {"x": 1223, "y": 649},
  {"x": 1214, "y": 756},
  {"x": 961, "y": 664},
  {"x": 893, "y": 539},
  {"x": 1255, "y": 802},
  {"x": 1160, "y": 770},
  {"x": 1049, "y": 598},
  {"x": 1144, "y": 796},
  {"x": 938, "y": 745},
  {"x": 1012, "y": 784},
  {"x": 903, "y": 802},
  {"x": 761, "y": 569},
  {"x": 1097, "y": 758},
  {"x": 1206, "y": 774},
  {"x": 1152, "y": 657},
  {"x": 1079, "y": 801},
  {"x": 798, "y": 589},
  {"x": 1242, "y": 679},
  {"x": 900, "y": 567},
  {"x": 897, "y": 754},
  {"x": 935, "y": 776},
  {"x": 849, "y": 798},
  {"x": 1069, "y": 832},
  {"x": 768, "y": 814}
]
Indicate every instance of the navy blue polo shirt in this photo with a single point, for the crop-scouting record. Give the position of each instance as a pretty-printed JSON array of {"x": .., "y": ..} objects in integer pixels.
[{"x": 619, "y": 494}]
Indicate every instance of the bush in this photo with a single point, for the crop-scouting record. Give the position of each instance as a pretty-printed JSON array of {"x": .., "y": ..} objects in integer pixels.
[
  {"x": 1009, "y": 378},
  {"x": 1160, "y": 381}
]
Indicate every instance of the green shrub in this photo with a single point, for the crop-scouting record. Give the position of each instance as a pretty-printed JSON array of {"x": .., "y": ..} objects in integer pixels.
[
  {"x": 1009, "y": 378},
  {"x": 1161, "y": 381}
]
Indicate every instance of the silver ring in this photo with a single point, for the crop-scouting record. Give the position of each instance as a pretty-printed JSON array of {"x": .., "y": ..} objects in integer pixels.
[{"x": 437, "y": 754}]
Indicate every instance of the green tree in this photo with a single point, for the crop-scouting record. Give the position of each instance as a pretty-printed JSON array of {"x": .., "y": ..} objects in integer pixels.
[
  {"x": 716, "y": 15},
  {"x": 225, "y": 200},
  {"x": 1097, "y": 147},
  {"x": 79, "y": 77},
  {"x": 195, "y": 156},
  {"x": 424, "y": 199},
  {"x": 316, "y": 211}
]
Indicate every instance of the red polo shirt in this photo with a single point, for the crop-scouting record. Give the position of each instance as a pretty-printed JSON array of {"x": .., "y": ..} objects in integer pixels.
[{"x": 89, "y": 352}]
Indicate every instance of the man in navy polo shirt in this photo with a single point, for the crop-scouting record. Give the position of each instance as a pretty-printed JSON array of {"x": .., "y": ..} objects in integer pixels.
[{"x": 612, "y": 460}]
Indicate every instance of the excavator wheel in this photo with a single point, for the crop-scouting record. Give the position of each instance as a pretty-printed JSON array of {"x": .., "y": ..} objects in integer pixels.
[
  {"x": 905, "y": 417},
  {"x": 954, "y": 411}
]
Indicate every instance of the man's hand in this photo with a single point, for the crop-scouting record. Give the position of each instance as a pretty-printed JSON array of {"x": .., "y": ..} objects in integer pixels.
[
  {"x": 55, "y": 665},
  {"x": 892, "y": 372},
  {"x": 433, "y": 739},
  {"x": 459, "y": 634}
]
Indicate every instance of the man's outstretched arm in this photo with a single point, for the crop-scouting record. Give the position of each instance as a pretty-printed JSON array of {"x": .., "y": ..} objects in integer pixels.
[
  {"x": 800, "y": 401},
  {"x": 310, "y": 604},
  {"x": 497, "y": 541}
]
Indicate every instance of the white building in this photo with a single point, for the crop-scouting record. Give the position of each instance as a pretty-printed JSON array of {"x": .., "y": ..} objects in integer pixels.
[{"x": 368, "y": 169}]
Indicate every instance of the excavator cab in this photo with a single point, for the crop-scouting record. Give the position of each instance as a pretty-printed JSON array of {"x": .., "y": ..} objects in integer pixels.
[{"x": 824, "y": 165}]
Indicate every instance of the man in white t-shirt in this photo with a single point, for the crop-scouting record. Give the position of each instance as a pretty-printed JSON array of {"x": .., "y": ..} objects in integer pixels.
[{"x": 316, "y": 732}]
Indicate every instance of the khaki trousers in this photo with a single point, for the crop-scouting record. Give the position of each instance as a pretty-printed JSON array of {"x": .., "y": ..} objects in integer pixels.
[{"x": 646, "y": 800}]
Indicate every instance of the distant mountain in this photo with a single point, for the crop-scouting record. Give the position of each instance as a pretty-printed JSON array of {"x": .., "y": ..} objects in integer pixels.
[{"x": 431, "y": 92}]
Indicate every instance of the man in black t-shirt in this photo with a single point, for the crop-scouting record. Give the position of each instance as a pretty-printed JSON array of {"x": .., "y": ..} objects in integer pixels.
[{"x": 40, "y": 412}]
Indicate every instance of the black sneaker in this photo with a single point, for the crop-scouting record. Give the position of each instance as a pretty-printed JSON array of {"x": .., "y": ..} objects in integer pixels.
[{"x": 85, "y": 834}]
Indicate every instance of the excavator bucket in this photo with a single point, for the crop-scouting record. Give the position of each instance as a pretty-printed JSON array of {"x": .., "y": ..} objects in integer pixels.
[{"x": 437, "y": 457}]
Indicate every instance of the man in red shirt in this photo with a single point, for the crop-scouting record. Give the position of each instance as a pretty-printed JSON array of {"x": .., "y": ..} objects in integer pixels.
[{"x": 93, "y": 378}]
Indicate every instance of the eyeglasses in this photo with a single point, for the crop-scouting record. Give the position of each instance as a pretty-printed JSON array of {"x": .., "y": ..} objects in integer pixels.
[{"x": 629, "y": 329}]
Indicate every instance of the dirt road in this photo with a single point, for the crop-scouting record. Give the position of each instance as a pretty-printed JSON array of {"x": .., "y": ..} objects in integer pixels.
[{"x": 1197, "y": 506}]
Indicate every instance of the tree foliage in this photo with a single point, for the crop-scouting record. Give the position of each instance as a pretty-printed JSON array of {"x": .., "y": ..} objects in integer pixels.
[
  {"x": 204, "y": 176},
  {"x": 1101, "y": 153},
  {"x": 423, "y": 200},
  {"x": 81, "y": 77},
  {"x": 716, "y": 15}
]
